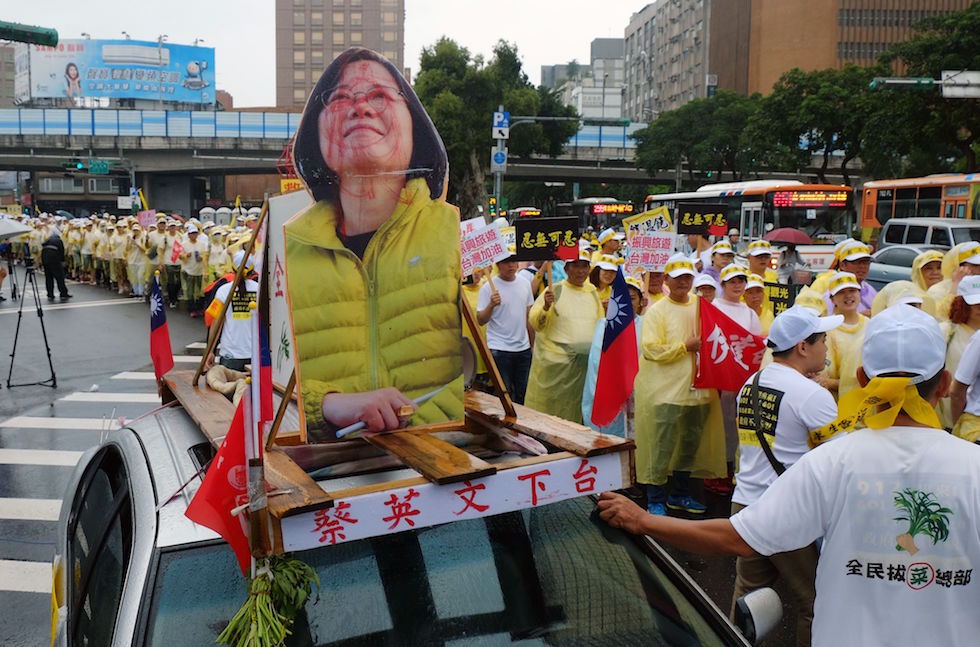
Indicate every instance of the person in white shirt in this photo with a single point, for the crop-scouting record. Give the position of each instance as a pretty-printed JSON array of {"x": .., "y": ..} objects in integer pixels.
[
  {"x": 895, "y": 502},
  {"x": 790, "y": 406},
  {"x": 965, "y": 394},
  {"x": 503, "y": 306},
  {"x": 236, "y": 333}
]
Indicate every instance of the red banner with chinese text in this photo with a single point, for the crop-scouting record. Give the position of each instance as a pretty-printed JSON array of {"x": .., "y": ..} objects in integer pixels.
[{"x": 729, "y": 354}]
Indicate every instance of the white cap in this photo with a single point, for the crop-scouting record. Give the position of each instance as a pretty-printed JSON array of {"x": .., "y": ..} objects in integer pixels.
[
  {"x": 842, "y": 281},
  {"x": 733, "y": 270},
  {"x": 634, "y": 282},
  {"x": 609, "y": 234},
  {"x": 722, "y": 247},
  {"x": 903, "y": 339},
  {"x": 678, "y": 265},
  {"x": 733, "y": 231},
  {"x": 607, "y": 262},
  {"x": 854, "y": 251},
  {"x": 239, "y": 256},
  {"x": 969, "y": 289},
  {"x": 910, "y": 298},
  {"x": 969, "y": 253},
  {"x": 760, "y": 248},
  {"x": 192, "y": 229},
  {"x": 795, "y": 324},
  {"x": 755, "y": 281},
  {"x": 705, "y": 280}
]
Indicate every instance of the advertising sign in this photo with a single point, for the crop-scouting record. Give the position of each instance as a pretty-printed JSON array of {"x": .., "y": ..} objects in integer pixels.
[
  {"x": 116, "y": 69},
  {"x": 545, "y": 239},
  {"x": 782, "y": 297},
  {"x": 701, "y": 218}
]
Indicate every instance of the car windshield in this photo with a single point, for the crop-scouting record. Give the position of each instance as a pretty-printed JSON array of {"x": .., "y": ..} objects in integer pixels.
[
  {"x": 553, "y": 575},
  {"x": 966, "y": 234}
]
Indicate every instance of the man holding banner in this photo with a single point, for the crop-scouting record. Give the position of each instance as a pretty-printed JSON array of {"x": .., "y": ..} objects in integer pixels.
[{"x": 503, "y": 306}]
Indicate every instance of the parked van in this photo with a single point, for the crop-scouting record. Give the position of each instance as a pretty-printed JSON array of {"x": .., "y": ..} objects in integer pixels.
[{"x": 937, "y": 232}]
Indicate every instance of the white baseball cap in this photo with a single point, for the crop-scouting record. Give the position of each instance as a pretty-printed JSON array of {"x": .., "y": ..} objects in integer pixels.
[
  {"x": 969, "y": 253},
  {"x": 678, "y": 265},
  {"x": 795, "y": 324},
  {"x": 608, "y": 234},
  {"x": 760, "y": 248},
  {"x": 732, "y": 271},
  {"x": 969, "y": 289},
  {"x": 842, "y": 281},
  {"x": 722, "y": 247},
  {"x": 239, "y": 257},
  {"x": 854, "y": 251},
  {"x": 192, "y": 228},
  {"x": 607, "y": 262},
  {"x": 705, "y": 280},
  {"x": 903, "y": 339},
  {"x": 755, "y": 281}
]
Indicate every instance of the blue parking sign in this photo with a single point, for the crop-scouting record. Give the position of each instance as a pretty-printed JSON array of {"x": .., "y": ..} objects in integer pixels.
[{"x": 501, "y": 120}]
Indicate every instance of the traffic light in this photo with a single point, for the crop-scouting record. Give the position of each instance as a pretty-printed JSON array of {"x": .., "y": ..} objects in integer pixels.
[
  {"x": 709, "y": 174},
  {"x": 493, "y": 207},
  {"x": 80, "y": 166},
  {"x": 75, "y": 164}
]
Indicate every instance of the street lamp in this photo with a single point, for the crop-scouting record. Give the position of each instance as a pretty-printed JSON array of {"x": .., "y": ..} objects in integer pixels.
[
  {"x": 160, "y": 39},
  {"x": 125, "y": 35},
  {"x": 198, "y": 40},
  {"x": 86, "y": 36}
]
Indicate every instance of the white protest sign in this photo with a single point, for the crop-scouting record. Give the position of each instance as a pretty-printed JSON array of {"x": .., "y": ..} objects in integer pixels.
[
  {"x": 468, "y": 227},
  {"x": 428, "y": 504},
  {"x": 482, "y": 247},
  {"x": 281, "y": 209},
  {"x": 650, "y": 240}
]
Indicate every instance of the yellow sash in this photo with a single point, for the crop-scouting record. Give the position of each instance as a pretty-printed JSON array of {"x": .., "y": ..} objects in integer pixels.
[{"x": 861, "y": 406}]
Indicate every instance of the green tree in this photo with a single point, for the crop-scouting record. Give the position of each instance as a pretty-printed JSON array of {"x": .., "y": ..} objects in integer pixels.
[
  {"x": 941, "y": 128},
  {"x": 460, "y": 92}
]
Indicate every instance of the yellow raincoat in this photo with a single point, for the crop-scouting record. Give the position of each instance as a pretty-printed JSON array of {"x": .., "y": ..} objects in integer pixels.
[
  {"x": 889, "y": 294},
  {"x": 921, "y": 261},
  {"x": 957, "y": 337},
  {"x": 663, "y": 392},
  {"x": 561, "y": 349},
  {"x": 844, "y": 354},
  {"x": 389, "y": 320},
  {"x": 471, "y": 292},
  {"x": 943, "y": 293}
]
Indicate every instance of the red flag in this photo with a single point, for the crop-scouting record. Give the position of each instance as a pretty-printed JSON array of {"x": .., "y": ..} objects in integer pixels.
[
  {"x": 225, "y": 486},
  {"x": 729, "y": 353},
  {"x": 160, "y": 352},
  {"x": 619, "y": 362},
  {"x": 175, "y": 255}
]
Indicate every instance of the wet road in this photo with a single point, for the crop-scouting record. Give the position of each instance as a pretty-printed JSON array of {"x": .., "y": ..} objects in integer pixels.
[{"x": 99, "y": 345}]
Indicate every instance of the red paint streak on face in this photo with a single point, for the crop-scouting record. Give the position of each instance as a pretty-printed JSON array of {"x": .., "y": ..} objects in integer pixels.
[{"x": 358, "y": 138}]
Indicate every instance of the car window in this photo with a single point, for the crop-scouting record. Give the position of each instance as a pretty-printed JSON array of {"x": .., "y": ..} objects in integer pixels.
[
  {"x": 902, "y": 256},
  {"x": 966, "y": 234},
  {"x": 916, "y": 234},
  {"x": 894, "y": 232},
  {"x": 100, "y": 543},
  {"x": 940, "y": 236},
  {"x": 553, "y": 575}
]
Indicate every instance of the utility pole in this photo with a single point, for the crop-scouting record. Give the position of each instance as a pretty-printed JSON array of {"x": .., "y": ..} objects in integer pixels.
[{"x": 160, "y": 39}]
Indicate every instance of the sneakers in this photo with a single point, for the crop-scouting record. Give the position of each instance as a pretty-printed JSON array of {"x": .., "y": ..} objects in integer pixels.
[
  {"x": 657, "y": 508},
  {"x": 686, "y": 503},
  {"x": 721, "y": 487}
]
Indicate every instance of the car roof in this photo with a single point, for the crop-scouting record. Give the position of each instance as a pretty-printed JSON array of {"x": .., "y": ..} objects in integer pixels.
[{"x": 950, "y": 222}]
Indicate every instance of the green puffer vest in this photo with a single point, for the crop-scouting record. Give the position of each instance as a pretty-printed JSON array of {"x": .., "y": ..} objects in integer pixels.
[{"x": 392, "y": 319}]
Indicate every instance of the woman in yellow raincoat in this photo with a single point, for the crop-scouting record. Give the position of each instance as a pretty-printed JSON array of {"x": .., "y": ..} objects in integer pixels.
[
  {"x": 678, "y": 428},
  {"x": 564, "y": 317},
  {"x": 964, "y": 321},
  {"x": 962, "y": 260},
  {"x": 373, "y": 267}
]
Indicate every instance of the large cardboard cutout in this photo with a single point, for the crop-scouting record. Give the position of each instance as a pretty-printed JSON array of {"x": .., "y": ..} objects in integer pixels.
[{"x": 373, "y": 266}]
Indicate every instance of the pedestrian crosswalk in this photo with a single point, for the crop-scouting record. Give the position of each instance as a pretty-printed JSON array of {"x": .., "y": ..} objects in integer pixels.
[{"x": 38, "y": 450}]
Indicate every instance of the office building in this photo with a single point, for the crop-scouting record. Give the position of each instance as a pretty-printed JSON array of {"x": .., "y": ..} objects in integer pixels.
[
  {"x": 594, "y": 90},
  {"x": 6, "y": 75},
  {"x": 312, "y": 33}
]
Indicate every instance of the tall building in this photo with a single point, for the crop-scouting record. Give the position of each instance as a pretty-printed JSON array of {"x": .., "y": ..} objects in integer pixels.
[
  {"x": 312, "y": 33},
  {"x": 678, "y": 50},
  {"x": 6, "y": 75},
  {"x": 594, "y": 90}
]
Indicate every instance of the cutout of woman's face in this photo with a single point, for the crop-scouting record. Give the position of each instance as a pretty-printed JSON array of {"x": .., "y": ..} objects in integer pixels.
[{"x": 365, "y": 126}]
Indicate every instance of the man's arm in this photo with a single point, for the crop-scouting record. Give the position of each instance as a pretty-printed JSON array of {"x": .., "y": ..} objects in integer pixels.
[
  {"x": 957, "y": 398},
  {"x": 708, "y": 537}
]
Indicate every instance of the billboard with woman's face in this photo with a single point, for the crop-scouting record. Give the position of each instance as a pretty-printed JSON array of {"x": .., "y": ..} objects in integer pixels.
[{"x": 373, "y": 266}]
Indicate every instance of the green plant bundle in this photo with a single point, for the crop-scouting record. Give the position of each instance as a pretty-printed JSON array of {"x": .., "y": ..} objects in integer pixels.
[
  {"x": 292, "y": 584},
  {"x": 924, "y": 514}
]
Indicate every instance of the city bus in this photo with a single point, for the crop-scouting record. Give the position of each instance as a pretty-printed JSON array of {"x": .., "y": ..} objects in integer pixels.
[
  {"x": 598, "y": 213},
  {"x": 946, "y": 195},
  {"x": 825, "y": 212}
]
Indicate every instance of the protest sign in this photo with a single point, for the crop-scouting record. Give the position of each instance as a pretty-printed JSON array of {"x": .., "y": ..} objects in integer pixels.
[
  {"x": 702, "y": 218},
  {"x": 482, "y": 247},
  {"x": 650, "y": 241},
  {"x": 147, "y": 219},
  {"x": 781, "y": 296},
  {"x": 546, "y": 239}
]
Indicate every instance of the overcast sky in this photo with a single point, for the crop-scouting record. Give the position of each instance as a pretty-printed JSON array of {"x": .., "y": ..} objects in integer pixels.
[{"x": 242, "y": 31}]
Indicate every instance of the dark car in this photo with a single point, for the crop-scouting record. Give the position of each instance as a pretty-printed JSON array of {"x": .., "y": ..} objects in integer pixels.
[
  {"x": 128, "y": 573},
  {"x": 894, "y": 263}
]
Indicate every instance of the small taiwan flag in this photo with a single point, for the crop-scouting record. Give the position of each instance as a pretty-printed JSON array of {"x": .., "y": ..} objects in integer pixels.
[
  {"x": 160, "y": 352},
  {"x": 619, "y": 362}
]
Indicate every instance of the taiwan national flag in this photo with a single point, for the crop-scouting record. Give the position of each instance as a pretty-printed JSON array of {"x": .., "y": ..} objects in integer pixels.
[
  {"x": 619, "y": 362},
  {"x": 262, "y": 388},
  {"x": 160, "y": 352},
  {"x": 729, "y": 354},
  {"x": 225, "y": 487}
]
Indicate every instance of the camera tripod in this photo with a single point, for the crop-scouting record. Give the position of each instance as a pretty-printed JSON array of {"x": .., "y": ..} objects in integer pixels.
[{"x": 30, "y": 282}]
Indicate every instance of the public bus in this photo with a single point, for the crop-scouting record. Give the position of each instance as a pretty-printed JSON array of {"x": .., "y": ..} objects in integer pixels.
[
  {"x": 825, "y": 212},
  {"x": 945, "y": 195},
  {"x": 522, "y": 212},
  {"x": 598, "y": 213}
]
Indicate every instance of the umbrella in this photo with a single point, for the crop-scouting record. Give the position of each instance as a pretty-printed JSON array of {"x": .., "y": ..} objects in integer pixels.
[
  {"x": 787, "y": 235},
  {"x": 10, "y": 228}
]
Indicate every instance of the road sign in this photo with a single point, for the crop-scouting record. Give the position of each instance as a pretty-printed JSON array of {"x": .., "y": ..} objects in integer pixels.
[
  {"x": 501, "y": 120},
  {"x": 98, "y": 167},
  {"x": 498, "y": 160},
  {"x": 961, "y": 84},
  {"x": 500, "y": 132}
]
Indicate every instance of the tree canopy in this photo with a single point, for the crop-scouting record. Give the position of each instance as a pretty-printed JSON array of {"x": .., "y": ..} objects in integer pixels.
[{"x": 461, "y": 92}]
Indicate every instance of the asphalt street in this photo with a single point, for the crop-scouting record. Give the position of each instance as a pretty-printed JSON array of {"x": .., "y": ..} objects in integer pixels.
[{"x": 99, "y": 345}]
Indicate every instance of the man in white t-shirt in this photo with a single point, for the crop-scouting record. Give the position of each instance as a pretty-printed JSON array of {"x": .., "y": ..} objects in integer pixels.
[
  {"x": 503, "y": 306},
  {"x": 236, "y": 333},
  {"x": 965, "y": 394},
  {"x": 895, "y": 502},
  {"x": 790, "y": 406}
]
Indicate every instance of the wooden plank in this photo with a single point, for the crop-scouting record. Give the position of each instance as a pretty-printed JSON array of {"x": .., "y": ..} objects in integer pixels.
[
  {"x": 437, "y": 460},
  {"x": 209, "y": 409},
  {"x": 469, "y": 317},
  {"x": 281, "y": 473},
  {"x": 565, "y": 435}
]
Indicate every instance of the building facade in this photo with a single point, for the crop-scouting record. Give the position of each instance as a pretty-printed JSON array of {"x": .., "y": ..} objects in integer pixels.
[
  {"x": 7, "y": 75},
  {"x": 312, "y": 33}
]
